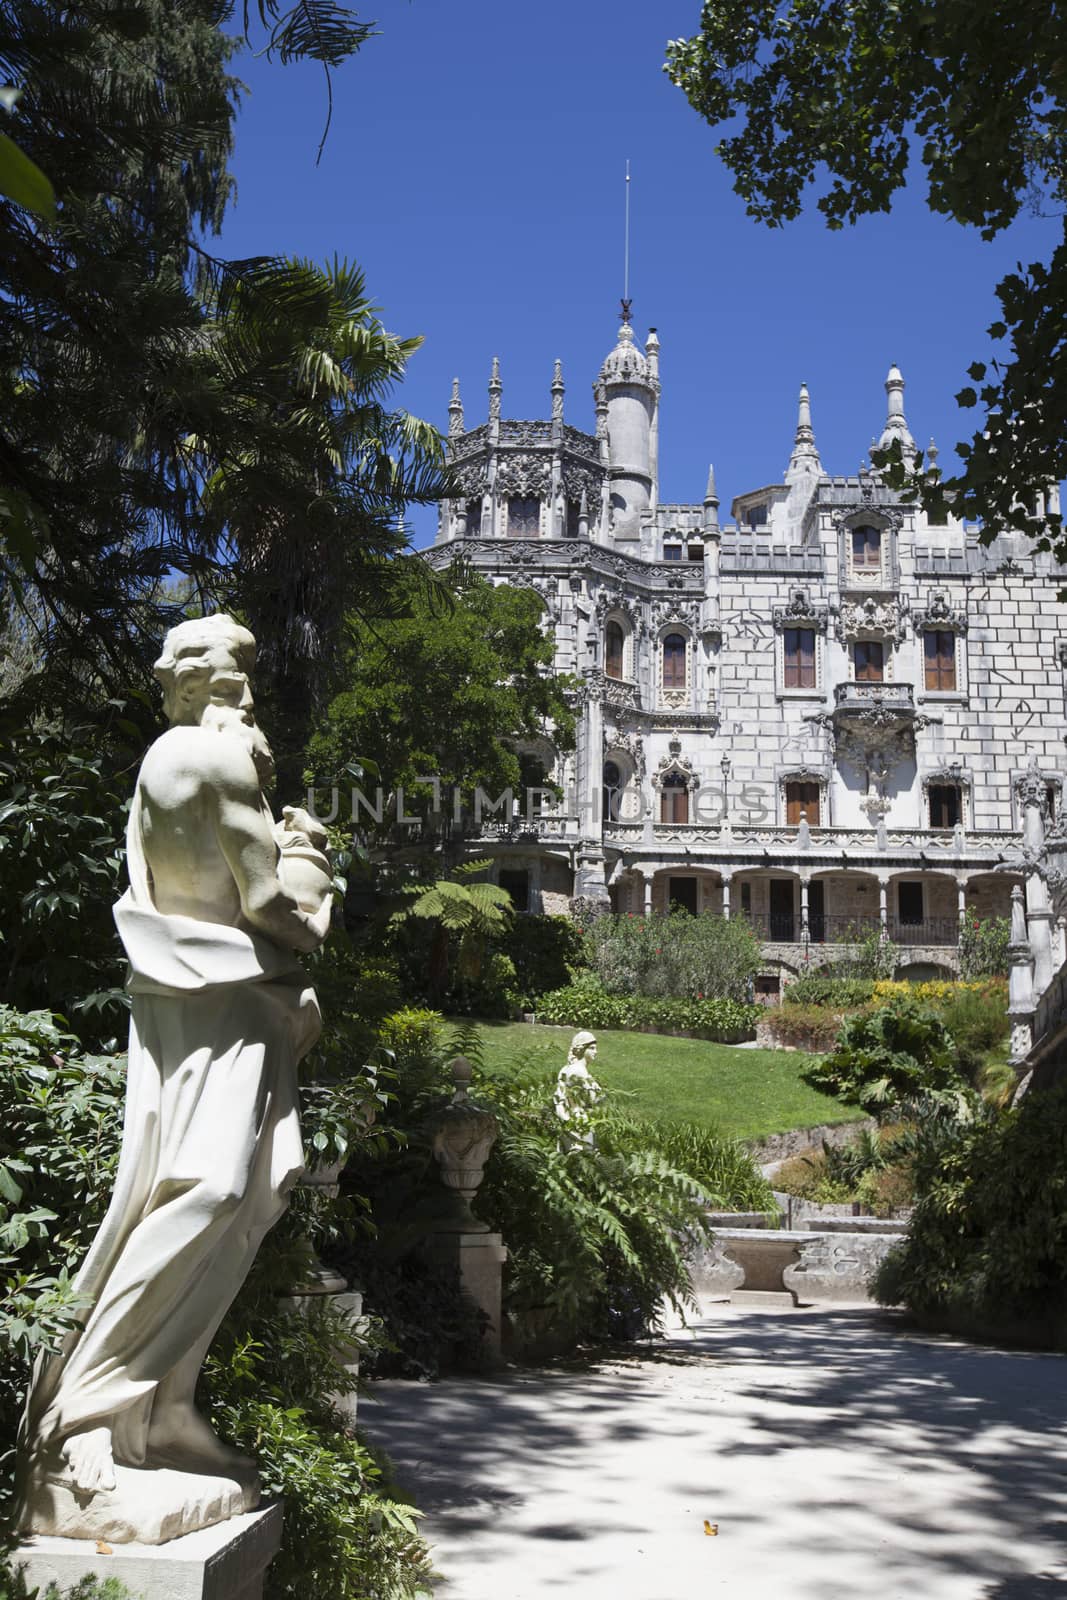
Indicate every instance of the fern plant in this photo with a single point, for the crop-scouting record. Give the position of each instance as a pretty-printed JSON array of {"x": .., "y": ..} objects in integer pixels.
[{"x": 467, "y": 913}]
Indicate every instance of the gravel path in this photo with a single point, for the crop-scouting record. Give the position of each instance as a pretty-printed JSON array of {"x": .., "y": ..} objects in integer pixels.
[{"x": 838, "y": 1456}]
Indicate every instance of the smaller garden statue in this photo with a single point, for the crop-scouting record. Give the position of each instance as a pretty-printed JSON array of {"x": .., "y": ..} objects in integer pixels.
[{"x": 577, "y": 1092}]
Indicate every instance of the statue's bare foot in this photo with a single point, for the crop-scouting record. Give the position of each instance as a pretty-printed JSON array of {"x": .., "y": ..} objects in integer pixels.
[
  {"x": 89, "y": 1460},
  {"x": 181, "y": 1438}
]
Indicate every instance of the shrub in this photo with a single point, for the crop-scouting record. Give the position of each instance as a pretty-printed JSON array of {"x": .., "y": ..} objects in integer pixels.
[
  {"x": 543, "y": 950},
  {"x": 720, "y": 1165},
  {"x": 977, "y": 1019},
  {"x": 868, "y": 956},
  {"x": 984, "y": 947},
  {"x": 812, "y": 1027},
  {"x": 988, "y": 1238},
  {"x": 805, "y": 1176},
  {"x": 838, "y": 994},
  {"x": 875, "y": 1169},
  {"x": 899, "y": 1053},
  {"x": 62, "y": 823},
  {"x": 705, "y": 957},
  {"x": 585, "y": 1005}
]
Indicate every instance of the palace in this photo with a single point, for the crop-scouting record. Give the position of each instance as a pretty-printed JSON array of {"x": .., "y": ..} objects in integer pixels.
[{"x": 818, "y": 715}]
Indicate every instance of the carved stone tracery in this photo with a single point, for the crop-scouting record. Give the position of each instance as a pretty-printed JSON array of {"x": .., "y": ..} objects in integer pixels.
[
  {"x": 675, "y": 764},
  {"x": 871, "y": 619},
  {"x": 800, "y": 612},
  {"x": 940, "y": 614}
]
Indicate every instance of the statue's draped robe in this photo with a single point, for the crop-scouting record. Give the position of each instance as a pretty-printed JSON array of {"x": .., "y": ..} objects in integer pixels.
[{"x": 210, "y": 1148}]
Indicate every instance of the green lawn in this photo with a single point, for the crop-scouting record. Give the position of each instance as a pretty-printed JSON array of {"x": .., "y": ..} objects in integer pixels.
[{"x": 745, "y": 1093}]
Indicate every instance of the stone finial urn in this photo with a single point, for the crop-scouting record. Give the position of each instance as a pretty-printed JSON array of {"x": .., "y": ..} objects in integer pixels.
[{"x": 462, "y": 1136}]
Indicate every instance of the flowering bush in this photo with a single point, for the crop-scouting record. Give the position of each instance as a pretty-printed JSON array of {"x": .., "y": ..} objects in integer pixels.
[{"x": 585, "y": 1004}]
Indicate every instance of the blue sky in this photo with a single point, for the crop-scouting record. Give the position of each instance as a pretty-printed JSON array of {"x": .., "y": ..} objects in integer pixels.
[{"x": 475, "y": 169}]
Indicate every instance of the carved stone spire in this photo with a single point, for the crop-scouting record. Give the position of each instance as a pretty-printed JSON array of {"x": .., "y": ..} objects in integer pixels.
[
  {"x": 455, "y": 411},
  {"x": 896, "y": 423},
  {"x": 557, "y": 392},
  {"x": 496, "y": 389},
  {"x": 711, "y": 504},
  {"x": 805, "y": 458}
]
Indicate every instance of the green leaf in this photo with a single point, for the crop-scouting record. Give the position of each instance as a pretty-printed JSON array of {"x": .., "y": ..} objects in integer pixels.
[{"x": 22, "y": 181}]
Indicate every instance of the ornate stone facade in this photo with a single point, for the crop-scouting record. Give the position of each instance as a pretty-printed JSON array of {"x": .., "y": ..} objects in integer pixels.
[{"x": 831, "y": 675}]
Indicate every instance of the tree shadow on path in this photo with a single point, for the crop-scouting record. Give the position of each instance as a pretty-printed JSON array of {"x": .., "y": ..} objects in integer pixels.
[{"x": 831, "y": 1446}]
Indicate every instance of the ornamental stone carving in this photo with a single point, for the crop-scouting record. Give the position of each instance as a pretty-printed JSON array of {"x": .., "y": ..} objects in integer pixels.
[
  {"x": 471, "y": 477},
  {"x": 579, "y": 480},
  {"x": 523, "y": 472},
  {"x": 632, "y": 746},
  {"x": 940, "y": 613},
  {"x": 870, "y": 619},
  {"x": 675, "y": 764},
  {"x": 800, "y": 612},
  {"x": 674, "y": 614}
]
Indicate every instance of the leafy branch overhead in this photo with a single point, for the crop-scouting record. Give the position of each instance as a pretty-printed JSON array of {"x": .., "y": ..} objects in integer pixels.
[{"x": 839, "y": 97}]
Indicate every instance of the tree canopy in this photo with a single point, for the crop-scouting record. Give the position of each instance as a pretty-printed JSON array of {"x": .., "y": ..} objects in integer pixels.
[
  {"x": 177, "y": 428},
  {"x": 842, "y": 96},
  {"x": 447, "y": 689}
]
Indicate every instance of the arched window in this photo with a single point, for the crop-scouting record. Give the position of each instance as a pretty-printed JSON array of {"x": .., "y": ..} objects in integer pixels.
[
  {"x": 612, "y": 793},
  {"x": 614, "y": 646},
  {"x": 674, "y": 801},
  {"x": 674, "y": 648}
]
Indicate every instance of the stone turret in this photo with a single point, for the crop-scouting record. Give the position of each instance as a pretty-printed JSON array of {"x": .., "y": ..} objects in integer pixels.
[{"x": 630, "y": 389}]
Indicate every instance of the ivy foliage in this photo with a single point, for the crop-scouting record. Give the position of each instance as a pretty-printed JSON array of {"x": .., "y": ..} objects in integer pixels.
[{"x": 842, "y": 96}]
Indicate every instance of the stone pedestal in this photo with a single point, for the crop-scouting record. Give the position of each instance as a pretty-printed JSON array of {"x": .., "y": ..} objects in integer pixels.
[
  {"x": 480, "y": 1259},
  {"x": 226, "y": 1562}
]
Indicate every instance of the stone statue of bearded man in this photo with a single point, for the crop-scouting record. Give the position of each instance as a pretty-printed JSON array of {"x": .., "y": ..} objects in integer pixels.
[{"x": 220, "y": 901}]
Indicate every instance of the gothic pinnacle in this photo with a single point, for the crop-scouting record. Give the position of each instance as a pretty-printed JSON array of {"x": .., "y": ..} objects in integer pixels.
[
  {"x": 455, "y": 411},
  {"x": 805, "y": 457}
]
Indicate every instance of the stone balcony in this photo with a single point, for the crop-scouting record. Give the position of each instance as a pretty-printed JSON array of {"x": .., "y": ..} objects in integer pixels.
[{"x": 868, "y": 709}]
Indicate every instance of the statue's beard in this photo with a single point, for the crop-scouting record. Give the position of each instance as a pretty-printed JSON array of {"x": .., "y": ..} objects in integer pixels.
[{"x": 238, "y": 720}]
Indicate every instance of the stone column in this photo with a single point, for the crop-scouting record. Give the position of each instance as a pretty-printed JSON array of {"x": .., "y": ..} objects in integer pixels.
[
  {"x": 727, "y": 879},
  {"x": 1039, "y": 927},
  {"x": 805, "y": 929},
  {"x": 648, "y": 878},
  {"x": 1020, "y": 981},
  {"x": 883, "y": 907}
]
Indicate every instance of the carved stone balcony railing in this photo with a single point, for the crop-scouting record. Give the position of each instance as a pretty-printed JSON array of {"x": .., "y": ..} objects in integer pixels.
[
  {"x": 874, "y": 712},
  {"x": 775, "y": 840},
  {"x": 519, "y": 830}
]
